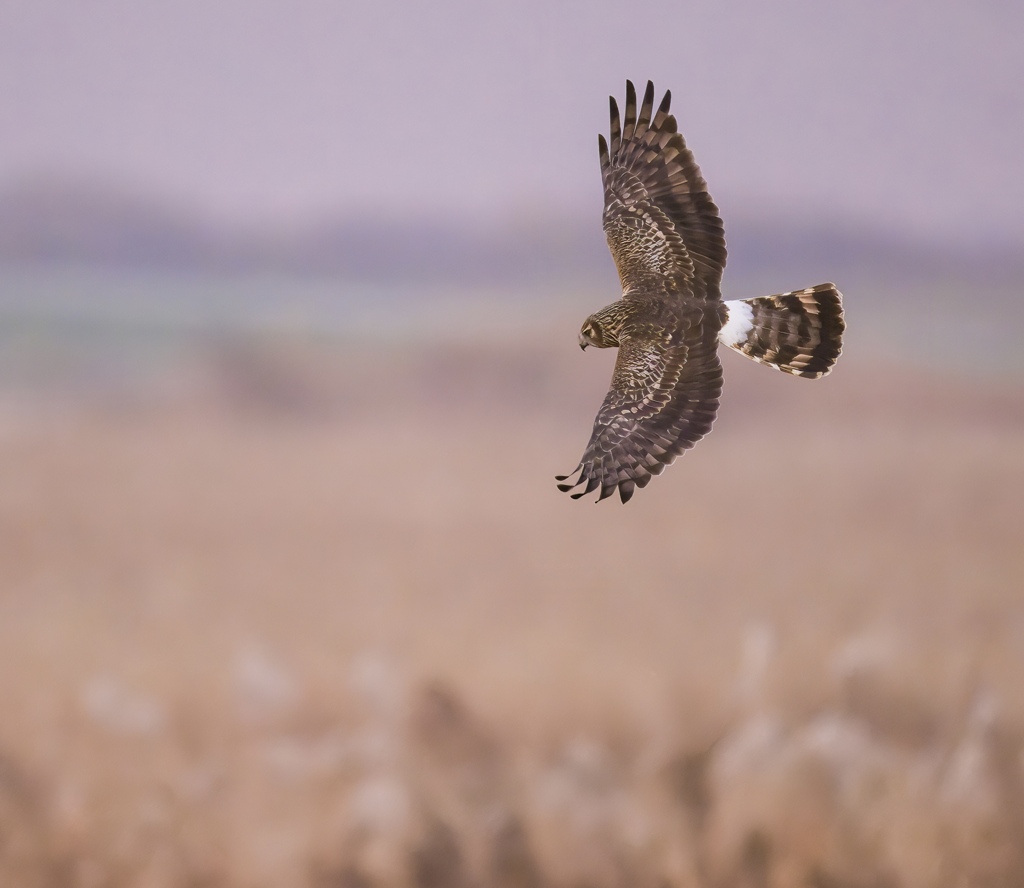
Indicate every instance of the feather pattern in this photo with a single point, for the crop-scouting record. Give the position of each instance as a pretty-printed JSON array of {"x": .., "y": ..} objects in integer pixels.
[
  {"x": 800, "y": 332},
  {"x": 662, "y": 226},
  {"x": 663, "y": 399},
  {"x": 668, "y": 243}
]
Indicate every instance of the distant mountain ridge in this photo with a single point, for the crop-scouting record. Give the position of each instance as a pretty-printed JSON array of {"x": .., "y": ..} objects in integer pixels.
[{"x": 77, "y": 223}]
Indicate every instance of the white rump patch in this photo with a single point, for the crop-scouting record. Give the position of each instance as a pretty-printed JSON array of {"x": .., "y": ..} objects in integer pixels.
[{"x": 738, "y": 325}]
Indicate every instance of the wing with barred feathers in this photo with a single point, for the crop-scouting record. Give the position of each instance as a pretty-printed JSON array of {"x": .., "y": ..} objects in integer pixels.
[
  {"x": 663, "y": 228},
  {"x": 663, "y": 399}
]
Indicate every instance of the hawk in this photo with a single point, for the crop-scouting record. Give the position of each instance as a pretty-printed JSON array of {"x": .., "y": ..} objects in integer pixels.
[{"x": 668, "y": 243}]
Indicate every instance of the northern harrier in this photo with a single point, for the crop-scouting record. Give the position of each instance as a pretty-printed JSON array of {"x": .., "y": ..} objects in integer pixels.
[{"x": 668, "y": 243}]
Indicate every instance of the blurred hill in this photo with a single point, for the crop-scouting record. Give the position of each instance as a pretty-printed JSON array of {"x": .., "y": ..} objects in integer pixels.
[
  {"x": 90, "y": 272},
  {"x": 99, "y": 224}
]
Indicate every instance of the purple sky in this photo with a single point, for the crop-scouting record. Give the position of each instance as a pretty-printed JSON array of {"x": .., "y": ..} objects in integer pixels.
[{"x": 898, "y": 114}]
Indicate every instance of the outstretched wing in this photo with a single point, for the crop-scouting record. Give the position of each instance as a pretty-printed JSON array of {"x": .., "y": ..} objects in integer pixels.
[
  {"x": 663, "y": 399},
  {"x": 663, "y": 229}
]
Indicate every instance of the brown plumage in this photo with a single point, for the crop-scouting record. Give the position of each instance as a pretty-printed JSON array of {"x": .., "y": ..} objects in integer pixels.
[{"x": 668, "y": 243}]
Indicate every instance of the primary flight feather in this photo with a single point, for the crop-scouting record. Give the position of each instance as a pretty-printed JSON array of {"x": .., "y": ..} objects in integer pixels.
[{"x": 668, "y": 243}]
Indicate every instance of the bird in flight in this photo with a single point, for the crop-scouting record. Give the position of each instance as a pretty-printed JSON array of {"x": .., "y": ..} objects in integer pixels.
[{"x": 668, "y": 243}]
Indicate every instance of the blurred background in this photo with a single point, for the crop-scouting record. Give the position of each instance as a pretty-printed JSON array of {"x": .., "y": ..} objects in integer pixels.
[{"x": 289, "y": 297}]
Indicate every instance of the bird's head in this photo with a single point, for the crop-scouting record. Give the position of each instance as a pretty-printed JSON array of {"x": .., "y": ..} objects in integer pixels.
[{"x": 596, "y": 334}]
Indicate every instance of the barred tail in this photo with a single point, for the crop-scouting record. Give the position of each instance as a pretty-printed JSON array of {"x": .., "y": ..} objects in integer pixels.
[{"x": 799, "y": 332}]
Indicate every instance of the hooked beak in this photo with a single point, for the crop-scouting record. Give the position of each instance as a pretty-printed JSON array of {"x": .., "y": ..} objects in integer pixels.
[{"x": 583, "y": 345}]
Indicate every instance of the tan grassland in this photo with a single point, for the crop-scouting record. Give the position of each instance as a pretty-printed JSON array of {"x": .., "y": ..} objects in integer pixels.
[{"x": 302, "y": 620}]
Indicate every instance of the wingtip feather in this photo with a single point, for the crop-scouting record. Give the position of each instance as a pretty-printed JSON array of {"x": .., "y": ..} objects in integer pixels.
[
  {"x": 629, "y": 124},
  {"x": 616, "y": 124},
  {"x": 646, "y": 108}
]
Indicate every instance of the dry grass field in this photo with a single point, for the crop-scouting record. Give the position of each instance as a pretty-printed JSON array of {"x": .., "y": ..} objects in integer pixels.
[{"x": 301, "y": 620}]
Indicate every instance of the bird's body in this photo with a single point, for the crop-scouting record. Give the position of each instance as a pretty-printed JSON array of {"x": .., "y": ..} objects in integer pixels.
[{"x": 668, "y": 243}]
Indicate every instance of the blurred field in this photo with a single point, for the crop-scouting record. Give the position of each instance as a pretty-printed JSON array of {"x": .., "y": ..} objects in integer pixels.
[{"x": 317, "y": 616}]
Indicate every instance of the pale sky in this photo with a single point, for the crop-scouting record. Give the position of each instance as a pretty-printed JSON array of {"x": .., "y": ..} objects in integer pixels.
[{"x": 903, "y": 115}]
